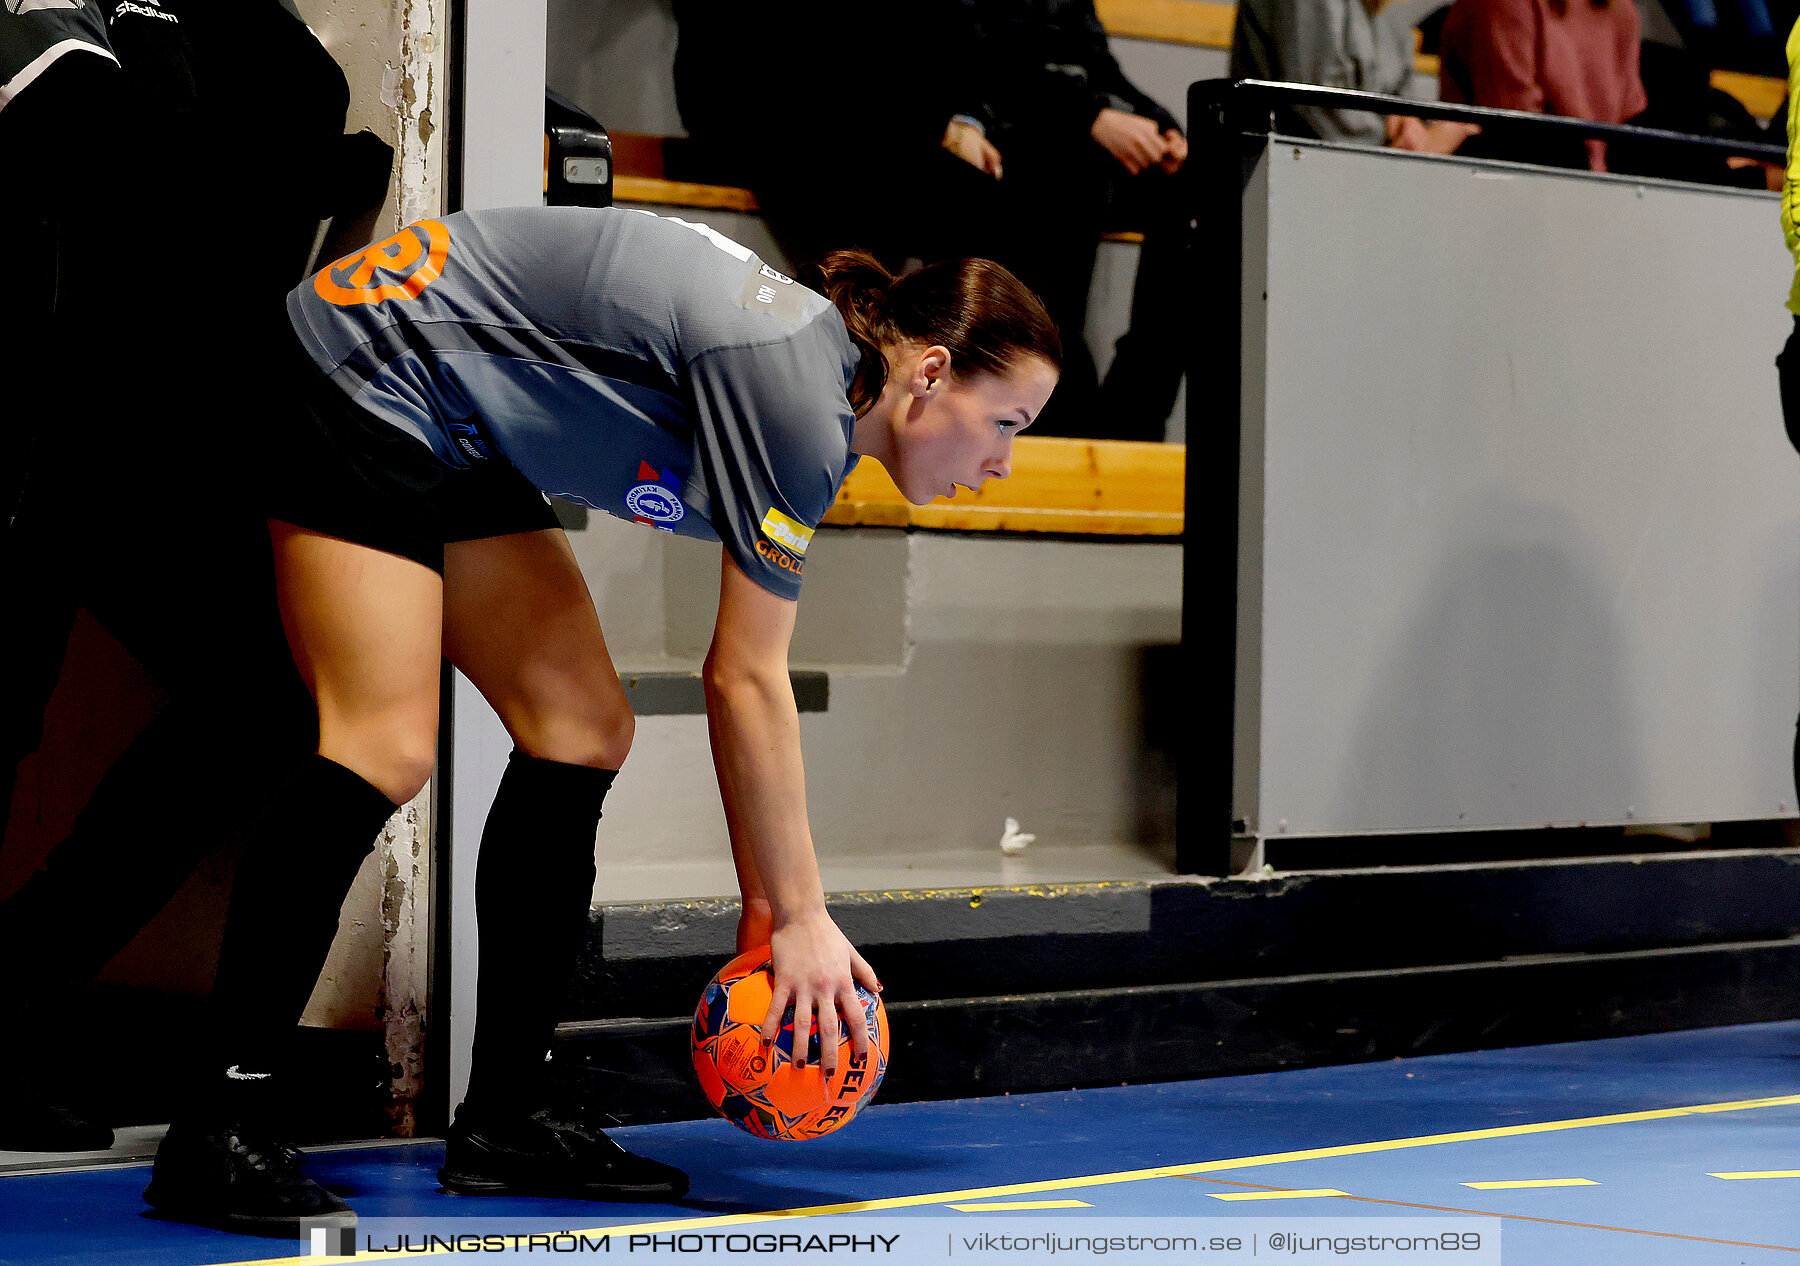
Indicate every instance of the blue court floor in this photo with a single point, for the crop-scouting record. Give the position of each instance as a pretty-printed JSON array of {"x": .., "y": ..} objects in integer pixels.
[{"x": 1674, "y": 1148}]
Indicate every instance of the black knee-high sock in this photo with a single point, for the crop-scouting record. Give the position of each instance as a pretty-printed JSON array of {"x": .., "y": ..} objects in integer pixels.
[
  {"x": 304, "y": 852},
  {"x": 534, "y": 886}
]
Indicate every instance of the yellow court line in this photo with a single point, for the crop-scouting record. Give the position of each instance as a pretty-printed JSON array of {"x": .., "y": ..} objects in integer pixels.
[
  {"x": 1277, "y": 1195},
  {"x": 1760, "y": 1173},
  {"x": 1022, "y": 1204},
  {"x": 1532, "y": 1182},
  {"x": 1130, "y": 1175},
  {"x": 1520, "y": 1217}
]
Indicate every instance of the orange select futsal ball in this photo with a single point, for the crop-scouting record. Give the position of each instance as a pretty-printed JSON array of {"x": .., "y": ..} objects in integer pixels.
[{"x": 758, "y": 1088}]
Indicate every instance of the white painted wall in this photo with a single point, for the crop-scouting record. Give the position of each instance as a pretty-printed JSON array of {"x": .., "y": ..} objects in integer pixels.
[
  {"x": 974, "y": 677},
  {"x": 393, "y": 55},
  {"x": 616, "y": 58},
  {"x": 502, "y": 158}
]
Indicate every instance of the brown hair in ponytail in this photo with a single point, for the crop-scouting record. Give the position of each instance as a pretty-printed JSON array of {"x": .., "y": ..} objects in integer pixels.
[{"x": 986, "y": 317}]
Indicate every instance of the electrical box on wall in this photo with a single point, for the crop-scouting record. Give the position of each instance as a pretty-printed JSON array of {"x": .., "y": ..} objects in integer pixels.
[{"x": 578, "y": 167}]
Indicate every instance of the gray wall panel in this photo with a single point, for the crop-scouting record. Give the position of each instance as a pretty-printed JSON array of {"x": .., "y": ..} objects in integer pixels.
[{"x": 1530, "y": 524}]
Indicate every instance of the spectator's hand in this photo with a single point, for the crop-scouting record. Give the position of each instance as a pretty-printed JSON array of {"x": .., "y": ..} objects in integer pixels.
[
  {"x": 1443, "y": 136},
  {"x": 1439, "y": 136},
  {"x": 968, "y": 144},
  {"x": 1177, "y": 152},
  {"x": 1405, "y": 132},
  {"x": 1130, "y": 138},
  {"x": 1774, "y": 174}
]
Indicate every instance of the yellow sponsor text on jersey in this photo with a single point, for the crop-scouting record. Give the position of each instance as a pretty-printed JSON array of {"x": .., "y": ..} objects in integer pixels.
[{"x": 785, "y": 532}]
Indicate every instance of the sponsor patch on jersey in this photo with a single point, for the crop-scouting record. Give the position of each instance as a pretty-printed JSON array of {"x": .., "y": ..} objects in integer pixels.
[
  {"x": 40, "y": 6},
  {"x": 653, "y": 500},
  {"x": 775, "y": 556},
  {"x": 398, "y": 268},
  {"x": 769, "y": 291},
  {"x": 785, "y": 532},
  {"x": 469, "y": 439},
  {"x": 148, "y": 10}
]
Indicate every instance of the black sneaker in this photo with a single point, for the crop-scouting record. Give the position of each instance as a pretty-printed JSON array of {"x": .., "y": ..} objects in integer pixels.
[
  {"x": 28, "y": 1123},
  {"x": 239, "y": 1180},
  {"x": 538, "y": 1156}
]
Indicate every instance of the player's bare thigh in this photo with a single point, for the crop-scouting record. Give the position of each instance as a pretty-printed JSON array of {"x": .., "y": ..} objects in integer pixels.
[
  {"x": 364, "y": 627},
  {"x": 520, "y": 624}
]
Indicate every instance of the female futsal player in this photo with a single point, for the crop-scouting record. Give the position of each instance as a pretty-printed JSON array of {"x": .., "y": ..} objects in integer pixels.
[{"x": 433, "y": 386}]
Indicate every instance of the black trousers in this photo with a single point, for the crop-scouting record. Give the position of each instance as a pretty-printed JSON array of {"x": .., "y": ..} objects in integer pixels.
[
  {"x": 1150, "y": 358},
  {"x": 106, "y": 504},
  {"x": 49, "y": 207},
  {"x": 186, "y": 586}
]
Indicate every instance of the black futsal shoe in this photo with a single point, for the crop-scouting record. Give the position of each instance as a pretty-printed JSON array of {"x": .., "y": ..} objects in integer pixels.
[
  {"x": 235, "y": 1179},
  {"x": 539, "y": 1156},
  {"x": 28, "y": 1123}
]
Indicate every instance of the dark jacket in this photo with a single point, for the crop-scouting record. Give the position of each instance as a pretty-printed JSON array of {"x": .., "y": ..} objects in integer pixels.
[
  {"x": 771, "y": 83},
  {"x": 1047, "y": 70},
  {"x": 793, "y": 84},
  {"x": 195, "y": 70}
]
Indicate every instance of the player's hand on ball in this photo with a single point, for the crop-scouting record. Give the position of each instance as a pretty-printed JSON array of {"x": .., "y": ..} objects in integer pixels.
[
  {"x": 755, "y": 1084},
  {"x": 816, "y": 972}
]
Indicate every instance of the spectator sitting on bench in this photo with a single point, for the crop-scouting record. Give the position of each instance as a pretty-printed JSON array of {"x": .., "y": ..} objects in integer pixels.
[
  {"x": 1571, "y": 57},
  {"x": 1085, "y": 150},
  {"x": 1018, "y": 133},
  {"x": 748, "y": 82},
  {"x": 1338, "y": 44}
]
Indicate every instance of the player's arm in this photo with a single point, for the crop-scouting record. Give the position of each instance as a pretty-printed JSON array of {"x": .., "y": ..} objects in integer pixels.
[{"x": 755, "y": 730}]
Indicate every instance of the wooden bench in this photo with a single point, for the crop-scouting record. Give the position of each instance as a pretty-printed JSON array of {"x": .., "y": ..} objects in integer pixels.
[
  {"x": 1090, "y": 487},
  {"x": 658, "y": 191},
  {"x": 677, "y": 193}
]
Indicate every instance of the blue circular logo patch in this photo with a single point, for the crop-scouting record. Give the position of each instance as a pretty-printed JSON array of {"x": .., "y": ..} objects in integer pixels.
[{"x": 656, "y": 503}]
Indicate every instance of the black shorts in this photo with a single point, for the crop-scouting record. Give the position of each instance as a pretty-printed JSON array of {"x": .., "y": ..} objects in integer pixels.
[{"x": 333, "y": 467}]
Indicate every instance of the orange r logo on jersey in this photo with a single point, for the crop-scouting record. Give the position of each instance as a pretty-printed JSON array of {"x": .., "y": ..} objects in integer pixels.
[{"x": 412, "y": 260}]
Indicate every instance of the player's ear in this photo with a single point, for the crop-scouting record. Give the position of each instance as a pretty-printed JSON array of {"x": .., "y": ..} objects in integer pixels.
[{"x": 932, "y": 367}]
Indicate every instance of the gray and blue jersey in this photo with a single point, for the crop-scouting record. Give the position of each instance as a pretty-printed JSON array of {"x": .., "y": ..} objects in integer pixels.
[{"x": 643, "y": 366}]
